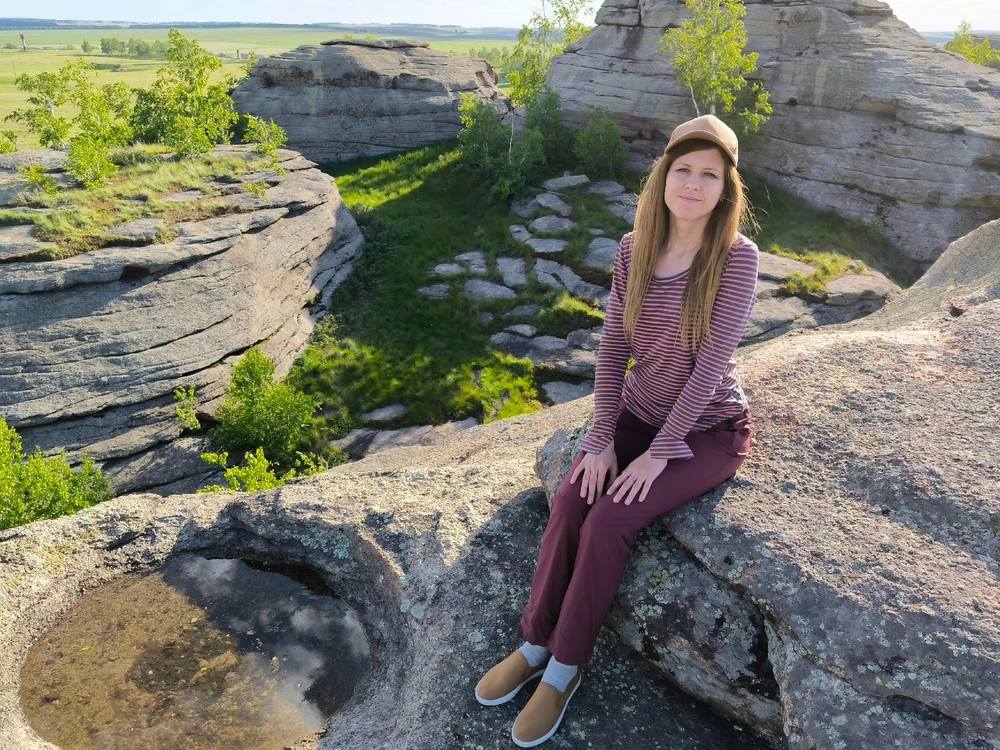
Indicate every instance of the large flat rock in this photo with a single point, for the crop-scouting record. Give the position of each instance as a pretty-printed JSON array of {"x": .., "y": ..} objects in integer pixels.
[
  {"x": 870, "y": 118},
  {"x": 93, "y": 346},
  {"x": 350, "y": 98}
]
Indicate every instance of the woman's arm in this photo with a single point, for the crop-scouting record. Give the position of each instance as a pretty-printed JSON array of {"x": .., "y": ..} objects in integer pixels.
[
  {"x": 612, "y": 357},
  {"x": 733, "y": 304}
]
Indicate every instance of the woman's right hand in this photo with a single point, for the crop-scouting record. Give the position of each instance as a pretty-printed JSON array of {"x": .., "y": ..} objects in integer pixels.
[{"x": 596, "y": 468}]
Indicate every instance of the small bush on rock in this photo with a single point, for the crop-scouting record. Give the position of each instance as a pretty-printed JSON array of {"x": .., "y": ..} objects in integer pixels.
[
  {"x": 8, "y": 142},
  {"x": 260, "y": 413},
  {"x": 599, "y": 147},
  {"x": 36, "y": 487},
  {"x": 255, "y": 473}
]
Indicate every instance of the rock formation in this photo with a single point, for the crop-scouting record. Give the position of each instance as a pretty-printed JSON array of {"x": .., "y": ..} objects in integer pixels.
[
  {"x": 346, "y": 99},
  {"x": 93, "y": 346},
  {"x": 870, "y": 119},
  {"x": 841, "y": 592}
]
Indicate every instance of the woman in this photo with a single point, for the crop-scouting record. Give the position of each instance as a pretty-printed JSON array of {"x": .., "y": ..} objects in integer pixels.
[{"x": 677, "y": 424}]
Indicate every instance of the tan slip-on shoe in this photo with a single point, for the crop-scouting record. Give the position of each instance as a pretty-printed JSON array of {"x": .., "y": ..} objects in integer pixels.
[
  {"x": 541, "y": 717},
  {"x": 502, "y": 682}
]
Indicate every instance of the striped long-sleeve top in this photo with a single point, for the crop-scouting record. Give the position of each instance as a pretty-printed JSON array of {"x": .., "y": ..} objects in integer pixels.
[{"x": 666, "y": 384}]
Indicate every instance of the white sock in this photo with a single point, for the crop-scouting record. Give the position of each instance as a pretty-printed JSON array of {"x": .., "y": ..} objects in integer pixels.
[
  {"x": 534, "y": 654},
  {"x": 558, "y": 674}
]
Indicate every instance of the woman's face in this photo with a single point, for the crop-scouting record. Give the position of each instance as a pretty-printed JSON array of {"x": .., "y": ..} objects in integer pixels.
[{"x": 695, "y": 182}]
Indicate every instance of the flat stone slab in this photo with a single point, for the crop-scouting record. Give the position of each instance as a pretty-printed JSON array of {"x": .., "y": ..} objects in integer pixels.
[
  {"x": 209, "y": 230},
  {"x": 607, "y": 188},
  {"x": 560, "y": 392},
  {"x": 554, "y": 203},
  {"x": 436, "y": 291},
  {"x": 53, "y": 161},
  {"x": 386, "y": 413},
  {"x": 561, "y": 183},
  {"x": 525, "y": 208},
  {"x": 547, "y": 246},
  {"x": 138, "y": 230},
  {"x": 771, "y": 313},
  {"x": 767, "y": 288},
  {"x": 623, "y": 211},
  {"x": 550, "y": 273},
  {"x": 513, "y": 271},
  {"x": 601, "y": 254},
  {"x": 520, "y": 232},
  {"x": 480, "y": 289},
  {"x": 448, "y": 269},
  {"x": 185, "y": 196},
  {"x": 18, "y": 241},
  {"x": 626, "y": 199},
  {"x": 474, "y": 259},
  {"x": 522, "y": 329},
  {"x": 549, "y": 351},
  {"x": 484, "y": 317},
  {"x": 596, "y": 232},
  {"x": 551, "y": 224},
  {"x": 779, "y": 268},
  {"x": 854, "y": 287},
  {"x": 586, "y": 338},
  {"x": 522, "y": 311}
]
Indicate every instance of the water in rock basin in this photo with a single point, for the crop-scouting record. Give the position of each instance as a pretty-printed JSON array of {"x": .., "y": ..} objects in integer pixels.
[{"x": 197, "y": 655}]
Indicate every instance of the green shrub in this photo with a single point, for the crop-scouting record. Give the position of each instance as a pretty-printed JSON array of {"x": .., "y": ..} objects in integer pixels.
[
  {"x": 255, "y": 473},
  {"x": 186, "y": 408},
  {"x": 259, "y": 413},
  {"x": 89, "y": 161},
  {"x": 8, "y": 142},
  {"x": 544, "y": 114},
  {"x": 37, "y": 487},
  {"x": 36, "y": 176},
  {"x": 599, "y": 147},
  {"x": 506, "y": 163},
  {"x": 266, "y": 135}
]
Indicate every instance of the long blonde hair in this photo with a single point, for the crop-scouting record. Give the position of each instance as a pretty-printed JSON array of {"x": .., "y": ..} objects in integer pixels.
[{"x": 652, "y": 222}]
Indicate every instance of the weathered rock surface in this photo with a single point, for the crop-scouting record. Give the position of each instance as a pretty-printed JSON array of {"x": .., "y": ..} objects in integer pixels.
[
  {"x": 869, "y": 117},
  {"x": 860, "y": 533},
  {"x": 346, "y": 99},
  {"x": 93, "y": 346},
  {"x": 434, "y": 547}
]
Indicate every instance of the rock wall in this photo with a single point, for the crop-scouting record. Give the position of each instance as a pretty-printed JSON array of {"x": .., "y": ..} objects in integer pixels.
[
  {"x": 869, "y": 118},
  {"x": 351, "y": 98},
  {"x": 93, "y": 346}
]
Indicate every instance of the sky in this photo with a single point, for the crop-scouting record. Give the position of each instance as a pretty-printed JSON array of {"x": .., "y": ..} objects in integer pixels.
[{"x": 922, "y": 15}]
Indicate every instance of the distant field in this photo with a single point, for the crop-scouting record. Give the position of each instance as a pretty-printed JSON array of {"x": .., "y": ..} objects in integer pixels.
[{"x": 264, "y": 41}]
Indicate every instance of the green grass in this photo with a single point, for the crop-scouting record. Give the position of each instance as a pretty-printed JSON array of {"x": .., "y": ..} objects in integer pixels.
[
  {"x": 384, "y": 342},
  {"x": 792, "y": 227},
  {"x": 80, "y": 218}
]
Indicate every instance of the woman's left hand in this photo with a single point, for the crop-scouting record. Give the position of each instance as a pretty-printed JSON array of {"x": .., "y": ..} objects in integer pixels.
[{"x": 636, "y": 480}]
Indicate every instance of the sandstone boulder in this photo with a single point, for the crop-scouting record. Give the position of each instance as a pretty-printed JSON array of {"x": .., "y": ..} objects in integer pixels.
[
  {"x": 93, "y": 346},
  {"x": 869, "y": 119},
  {"x": 346, "y": 99}
]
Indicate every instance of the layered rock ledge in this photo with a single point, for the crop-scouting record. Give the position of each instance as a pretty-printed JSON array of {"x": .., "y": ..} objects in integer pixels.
[
  {"x": 345, "y": 99},
  {"x": 840, "y": 592},
  {"x": 870, "y": 119},
  {"x": 93, "y": 346}
]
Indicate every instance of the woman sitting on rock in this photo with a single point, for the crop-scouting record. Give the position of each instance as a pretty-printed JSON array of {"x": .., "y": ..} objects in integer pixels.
[{"x": 677, "y": 421}]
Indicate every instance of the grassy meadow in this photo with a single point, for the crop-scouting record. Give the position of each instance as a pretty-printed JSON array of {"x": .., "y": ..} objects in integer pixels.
[{"x": 263, "y": 41}]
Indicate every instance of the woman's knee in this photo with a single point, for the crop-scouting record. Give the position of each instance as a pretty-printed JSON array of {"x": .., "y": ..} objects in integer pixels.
[
  {"x": 605, "y": 525},
  {"x": 567, "y": 503}
]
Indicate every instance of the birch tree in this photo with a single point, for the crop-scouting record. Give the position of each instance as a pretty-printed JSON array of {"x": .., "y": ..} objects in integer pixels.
[{"x": 708, "y": 59}]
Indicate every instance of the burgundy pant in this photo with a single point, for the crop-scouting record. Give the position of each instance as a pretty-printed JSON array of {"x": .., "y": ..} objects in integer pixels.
[{"x": 585, "y": 547}]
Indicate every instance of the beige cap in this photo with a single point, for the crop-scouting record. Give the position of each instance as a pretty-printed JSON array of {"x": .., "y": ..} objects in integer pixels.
[{"x": 709, "y": 128}]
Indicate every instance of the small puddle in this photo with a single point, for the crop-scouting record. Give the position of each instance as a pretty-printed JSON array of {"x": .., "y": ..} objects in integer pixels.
[{"x": 197, "y": 655}]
